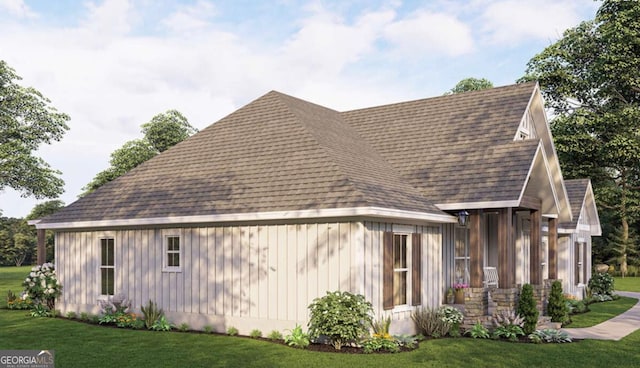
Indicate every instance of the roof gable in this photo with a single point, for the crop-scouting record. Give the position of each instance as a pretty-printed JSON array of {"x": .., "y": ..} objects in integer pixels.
[{"x": 583, "y": 207}]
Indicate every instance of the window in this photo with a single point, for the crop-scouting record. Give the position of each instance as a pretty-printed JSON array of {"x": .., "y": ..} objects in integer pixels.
[
  {"x": 107, "y": 266},
  {"x": 402, "y": 270},
  {"x": 461, "y": 255},
  {"x": 172, "y": 253}
]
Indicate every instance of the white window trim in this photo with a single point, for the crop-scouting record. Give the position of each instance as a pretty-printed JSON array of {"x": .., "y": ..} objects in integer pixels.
[
  {"x": 99, "y": 268},
  {"x": 165, "y": 250},
  {"x": 408, "y": 305}
]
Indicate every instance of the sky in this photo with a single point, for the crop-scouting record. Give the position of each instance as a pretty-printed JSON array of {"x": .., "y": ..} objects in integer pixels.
[{"x": 112, "y": 65}]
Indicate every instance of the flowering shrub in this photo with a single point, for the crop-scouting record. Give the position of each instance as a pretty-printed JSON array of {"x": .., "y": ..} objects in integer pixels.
[
  {"x": 601, "y": 283},
  {"x": 341, "y": 317},
  {"x": 42, "y": 285},
  {"x": 460, "y": 286}
]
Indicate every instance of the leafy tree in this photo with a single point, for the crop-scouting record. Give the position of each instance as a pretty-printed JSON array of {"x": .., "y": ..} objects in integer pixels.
[
  {"x": 161, "y": 133},
  {"x": 166, "y": 130},
  {"x": 590, "y": 79},
  {"x": 17, "y": 242},
  {"x": 27, "y": 120},
  {"x": 470, "y": 84}
]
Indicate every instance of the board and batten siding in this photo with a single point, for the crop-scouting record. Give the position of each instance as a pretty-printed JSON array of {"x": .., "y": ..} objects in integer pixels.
[{"x": 259, "y": 276}]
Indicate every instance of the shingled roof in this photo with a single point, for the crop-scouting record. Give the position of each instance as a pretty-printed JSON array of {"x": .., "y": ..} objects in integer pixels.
[{"x": 280, "y": 153}]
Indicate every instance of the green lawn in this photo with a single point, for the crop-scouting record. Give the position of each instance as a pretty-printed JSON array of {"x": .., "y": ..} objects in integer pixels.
[
  {"x": 601, "y": 312},
  {"x": 81, "y": 345},
  {"x": 627, "y": 283},
  {"x": 11, "y": 279}
]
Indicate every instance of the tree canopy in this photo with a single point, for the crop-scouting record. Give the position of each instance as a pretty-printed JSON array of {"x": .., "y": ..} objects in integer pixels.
[
  {"x": 27, "y": 120},
  {"x": 591, "y": 80},
  {"x": 161, "y": 133},
  {"x": 470, "y": 84}
]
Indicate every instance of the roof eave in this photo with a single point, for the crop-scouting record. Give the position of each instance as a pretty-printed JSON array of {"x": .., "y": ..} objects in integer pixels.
[{"x": 375, "y": 212}]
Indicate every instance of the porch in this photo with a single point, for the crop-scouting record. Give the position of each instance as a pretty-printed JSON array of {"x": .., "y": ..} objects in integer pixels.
[{"x": 520, "y": 243}]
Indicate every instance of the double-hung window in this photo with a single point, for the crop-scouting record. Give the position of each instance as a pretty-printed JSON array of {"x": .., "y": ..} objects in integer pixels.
[
  {"x": 401, "y": 270},
  {"x": 107, "y": 266},
  {"x": 172, "y": 252}
]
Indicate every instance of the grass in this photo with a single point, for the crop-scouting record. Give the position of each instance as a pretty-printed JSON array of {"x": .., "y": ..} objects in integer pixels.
[
  {"x": 601, "y": 312},
  {"x": 11, "y": 279},
  {"x": 627, "y": 284},
  {"x": 81, "y": 345}
]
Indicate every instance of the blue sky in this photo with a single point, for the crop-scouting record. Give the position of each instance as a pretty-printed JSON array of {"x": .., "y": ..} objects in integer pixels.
[{"x": 114, "y": 64}]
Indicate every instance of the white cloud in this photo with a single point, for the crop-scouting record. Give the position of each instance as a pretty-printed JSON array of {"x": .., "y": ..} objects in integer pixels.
[
  {"x": 514, "y": 21},
  {"x": 191, "y": 18},
  {"x": 17, "y": 8},
  {"x": 111, "y": 17},
  {"x": 426, "y": 33}
]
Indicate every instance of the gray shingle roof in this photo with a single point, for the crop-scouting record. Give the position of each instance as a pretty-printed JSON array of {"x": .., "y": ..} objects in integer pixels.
[
  {"x": 456, "y": 148},
  {"x": 280, "y": 153},
  {"x": 576, "y": 191}
]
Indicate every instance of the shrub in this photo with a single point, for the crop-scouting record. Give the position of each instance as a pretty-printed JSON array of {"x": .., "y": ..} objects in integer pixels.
[
  {"x": 232, "y": 331},
  {"x": 297, "y": 338},
  {"x": 39, "y": 310},
  {"x": 375, "y": 343},
  {"x": 341, "y": 317},
  {"x": 381, "y": 327},
  {"x": 84, "y": 316},
  {"x": 71, "y": 315},
  {"x": 509, "y": 332},
  {"x": 274, "y": 335},
  {"x": 557, "y": 307},
  {"x": 601, "y": 283},
  {"x": 126, "y": 320},
  {"x": 114, "y": 310},
  {"x": 507, "y": 318},
  {"x": 208, "y": 329},
  {"x": 527, "y": 309},
  {"x": 184, "y": 327},
  {"x": 42, "y": 285},
  {"x": 549, "y": 335},
  {"x": 13, "y": 302},
  {"x": 255, "y": 334},
  {"x": 478, "y": 331},
  {"x": 406, "y": 341},
  {"x": 453, "y": 317},
  {"x": 162, "y": 324},
  {"x": 430, "y": 322},
  {"x": 151, "y": 313},
  {"x": 577, "y": 306}
]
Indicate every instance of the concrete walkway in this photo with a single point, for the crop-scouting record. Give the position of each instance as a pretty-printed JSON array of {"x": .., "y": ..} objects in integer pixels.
[{"x": 614, "y": 329}]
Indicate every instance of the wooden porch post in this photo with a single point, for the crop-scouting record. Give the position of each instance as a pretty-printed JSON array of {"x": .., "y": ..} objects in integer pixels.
[
  {"x": 475, "y": 249},
  {"x": 41, "y": 250},
  {"x": 506, "y": 250},
  {"x": 553, "y": 249},
  {"x": 536, "y": 245}
]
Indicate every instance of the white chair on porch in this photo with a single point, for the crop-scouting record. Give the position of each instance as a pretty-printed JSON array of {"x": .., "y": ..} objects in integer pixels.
[{"x": 490, "y": 277}]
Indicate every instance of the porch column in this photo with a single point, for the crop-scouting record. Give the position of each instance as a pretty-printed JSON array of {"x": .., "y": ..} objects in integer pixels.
[
  {"x": 506, "y": 250},
  {"x": 475, "y": 249},
  {"x": 553, "y": 249},
  {"x": 41, "y": 250},
  {"x": 536, "y": 245}
]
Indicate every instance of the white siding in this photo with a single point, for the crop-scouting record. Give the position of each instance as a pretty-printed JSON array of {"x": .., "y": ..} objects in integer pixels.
[{"x": 259, "y": 276}]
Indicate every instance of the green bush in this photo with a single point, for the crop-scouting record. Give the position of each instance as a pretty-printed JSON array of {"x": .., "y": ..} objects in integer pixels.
[
  {"x": 341, "y": 317},
  {"x": 151, "y": 313},
  {"x": 549, "y": 335},
  {"x": 42, "y": 285},
  {"x": 208, "y": 329},
  {"x": 527, "y": 309},
  {"x": 255, "y": 334},
  {"x": 184, "y": 327},
  {"x": 557, "y": 306},
  {"x": 162, "y": 324},
  {"x": 478, "y": 331},
  {"x": 232, "y": 331},
  {"x": 602, "y": 284},
  {"x": 297, "y": 338},
  {"x": 374, "y": 344},
  {"x": 71, "y": 315},
  {"x": 274, "y": 335}
]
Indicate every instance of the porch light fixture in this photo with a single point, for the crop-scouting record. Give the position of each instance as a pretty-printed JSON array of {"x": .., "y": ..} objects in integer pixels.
[{"x": 463, "y": 216}]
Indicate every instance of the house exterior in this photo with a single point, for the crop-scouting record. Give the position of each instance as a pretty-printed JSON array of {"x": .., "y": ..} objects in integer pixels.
[
  {"x": 248, "y": 221},
  {"x": 575, "y": 238}
]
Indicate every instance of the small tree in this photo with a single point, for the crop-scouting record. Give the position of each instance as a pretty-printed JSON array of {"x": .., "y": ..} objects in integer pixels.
[
  {"x": 341, "y": 317},
  {"x": 527, "y": 309},
  {"x": 557, "y": 306}
]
